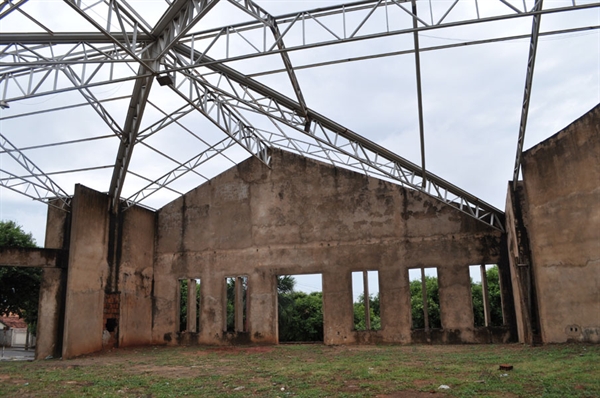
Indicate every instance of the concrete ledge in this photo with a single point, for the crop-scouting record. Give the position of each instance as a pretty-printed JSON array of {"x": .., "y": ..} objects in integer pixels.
[{"x": 33, "y": 257}]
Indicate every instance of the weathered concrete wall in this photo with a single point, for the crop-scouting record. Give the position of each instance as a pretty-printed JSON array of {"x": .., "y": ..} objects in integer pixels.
[
  {"x": 135, "y": 276},
  {"x": 521, "y": 269},
  {"x": 302, "y": 216},
  {"x": 53, "y": 287},
  {"x": 32, "y": 257},
  {"x": 562, "y": 193},
  {"x": 88, "y": 272}
]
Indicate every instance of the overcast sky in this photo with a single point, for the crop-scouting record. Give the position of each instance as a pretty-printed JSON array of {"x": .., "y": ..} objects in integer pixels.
[{"x": 471, "y": 96}]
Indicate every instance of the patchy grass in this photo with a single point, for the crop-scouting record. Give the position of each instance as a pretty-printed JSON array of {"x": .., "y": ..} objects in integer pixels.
[{"x": 313, "y": 371}]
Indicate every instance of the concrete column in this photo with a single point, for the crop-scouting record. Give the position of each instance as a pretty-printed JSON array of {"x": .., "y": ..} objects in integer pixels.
[
  {"x": 191, "y": 306},
  {"x": 239, "y": 304},
  {"x": 338, "y": 311},
  {"x": 261, "y": 314},
  {"x": 454, "y": 283},
  {"x": 424, "y": 298},
  {"x": 366, "y": 300},
  {"x": 519, "y": 265},
  {"x": 486, "y": 296},
  {"x": 51, "y": 314},
  {"x": 51, "y": 310},
  {"x": 88, "y": 273},
  {"x": 394, "y": 296}
]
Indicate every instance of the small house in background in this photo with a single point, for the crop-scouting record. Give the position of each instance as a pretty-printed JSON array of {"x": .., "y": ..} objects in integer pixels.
[{"x": 13, "y": 332}]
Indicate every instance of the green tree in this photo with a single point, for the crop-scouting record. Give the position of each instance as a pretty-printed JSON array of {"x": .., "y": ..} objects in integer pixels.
[
  {"x": 477, "y": 296},
  {"x": 493, "y": 278},
  {"x": 300, "y": 315},
  {"x": 285, "y": 304},
  {"x": 183, "y": 303},
  {"x": 433, "y": 303},
  {"x": 19, "y": 286},
  {"x": 304, "y": 320},
  {"x": 231, "y": 302},
  {"x": 359, "y": 312},
  {"x": 494, "y": 295}
]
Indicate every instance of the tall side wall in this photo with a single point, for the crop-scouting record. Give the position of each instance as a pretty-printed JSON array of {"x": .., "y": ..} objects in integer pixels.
[
  {"x": 88, "y": 273},
  {"x": 521, "y": 271},
  {"x": 135, "y": 276},
  {"x": 562, "y": 194},
  {"x": 299, "y": 217}
]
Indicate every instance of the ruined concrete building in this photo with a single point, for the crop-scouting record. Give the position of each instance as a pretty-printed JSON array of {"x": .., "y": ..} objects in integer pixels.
[
  {"x": 193, "y": 83},
  {"x": 301, "y": 216}
]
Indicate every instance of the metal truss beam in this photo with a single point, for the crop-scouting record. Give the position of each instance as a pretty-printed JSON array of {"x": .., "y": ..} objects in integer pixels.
[
  {"x": 57, "y": 38},
  {"x": 28, "y": 71},
  {"x": 422, "y": 49},
  {"x": 180, "y": 171},
  {"x": 38, "y": 186},
  {"x": 135, "y": 111},
  {"x": 535, "y": 34},
  {"x": 209, "y": 103},
  {"x": 31, "y": 63},
  {"x": 358, "y": 152},
  {"x": 419, "y": 91},
  {"x": 175, "y": 22},
  {"x": 94, "y": 103},
  {"x": 126, "y": 25},
  {"x": 323, "y": 26},
  {"x": 178, "y": 20},
  {"x": 270, "y": 22},
  {"x": 12, "y": 6}
]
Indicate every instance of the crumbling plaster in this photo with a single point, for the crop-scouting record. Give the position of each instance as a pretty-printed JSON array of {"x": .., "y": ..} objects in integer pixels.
[
  {"x": 301, "y": 216},
  {"x": 561, "y": 178}
]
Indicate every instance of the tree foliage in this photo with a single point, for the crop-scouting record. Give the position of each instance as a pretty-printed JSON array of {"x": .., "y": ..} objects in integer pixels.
[
  {"x": 433, "y": 303},
  {"x": 183, "y": 303},
  {"x": 19, "y": 287},
  {"x": 231, "y": 302},
  {"x": 493, "y": 281},
  {"x": 300, "y": 314},
  {"x": 374, "y": 313}
]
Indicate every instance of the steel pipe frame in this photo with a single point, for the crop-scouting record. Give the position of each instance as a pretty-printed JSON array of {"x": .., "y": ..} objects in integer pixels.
[
  {"x": 363, "y": 150},
  {"x": 330, "y": 10},
  {"x": 178, "y": 172},
  {"x": 44, "y": 183},
  {"x": 535, "y": 34},
  {"x": 179, "y": 18},
  {"x": 12, "y": 7},
  {"x": 223, "y": 33}
]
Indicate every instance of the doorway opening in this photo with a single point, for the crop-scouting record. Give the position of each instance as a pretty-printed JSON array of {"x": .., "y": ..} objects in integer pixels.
[{"x": 300, "y": 308}]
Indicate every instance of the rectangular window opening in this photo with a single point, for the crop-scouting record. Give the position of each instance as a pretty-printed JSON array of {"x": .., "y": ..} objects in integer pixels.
[
  {"x": 189, "y": 305},
  {"x": 487, "y": 297},
  {"x": 365, "y": 294},
  {"x": 236, "y": 304},
  {"x": 424, "y": 298},
  {"x": 183, "y": 300},
  {"x": 198, "y": 308},
  {"x": 477, "y": 296}
]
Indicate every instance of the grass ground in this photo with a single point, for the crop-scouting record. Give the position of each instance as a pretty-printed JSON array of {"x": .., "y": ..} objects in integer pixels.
[{"x": 313, "y": 371}]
